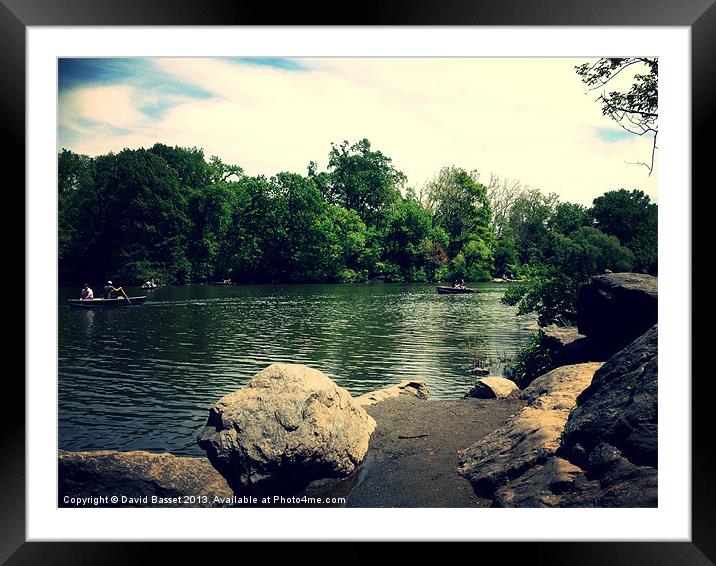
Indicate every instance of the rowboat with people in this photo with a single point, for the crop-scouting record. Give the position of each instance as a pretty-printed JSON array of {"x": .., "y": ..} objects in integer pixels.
[{"x": 454, "y": 290}]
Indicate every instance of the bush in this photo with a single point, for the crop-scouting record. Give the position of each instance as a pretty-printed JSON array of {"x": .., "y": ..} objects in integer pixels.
[
  {"x": 417, "y": 275},
  {"x": 388, "y": 271},
  {"x": 535, "y": 359},
  {"x": 442, "y": 274},
  {"x": 350, "y": 276}
]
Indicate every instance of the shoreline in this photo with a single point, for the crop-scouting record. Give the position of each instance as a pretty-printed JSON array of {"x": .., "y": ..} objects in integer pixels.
[{"x": 411, "y": 462}]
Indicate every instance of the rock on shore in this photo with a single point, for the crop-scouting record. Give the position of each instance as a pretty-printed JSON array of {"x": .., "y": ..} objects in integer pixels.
[
  {"x": 613, "y": 431},
  {"x": 290, "y": 424},
  {"x": 493, "y": 387},
  {"x": 137, "y": 474},
  {"x": 530, "y": 437},
  {"x": 601, "y": 453},
  {"x": 406, "y": 387},
  {"x": 616, "y": 308}
]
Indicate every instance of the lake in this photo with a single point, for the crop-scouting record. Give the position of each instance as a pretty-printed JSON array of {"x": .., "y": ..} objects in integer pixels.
[{"x": 144, "y": 377}]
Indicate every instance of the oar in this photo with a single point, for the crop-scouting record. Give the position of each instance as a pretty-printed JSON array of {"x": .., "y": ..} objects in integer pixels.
[{"x": 125, "y": 295}]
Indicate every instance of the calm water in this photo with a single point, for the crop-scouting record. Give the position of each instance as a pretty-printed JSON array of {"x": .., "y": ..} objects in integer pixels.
[{"x": 144, "y": 377}]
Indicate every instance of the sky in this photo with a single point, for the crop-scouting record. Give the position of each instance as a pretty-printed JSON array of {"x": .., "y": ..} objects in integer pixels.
[{"x": 526, "y": 119}]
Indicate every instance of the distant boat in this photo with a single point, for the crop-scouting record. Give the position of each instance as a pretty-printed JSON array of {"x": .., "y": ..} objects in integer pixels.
[
  {"x": 106, "y": 303},
  {"x": 454, "y": 290},
  {"x": 150, "y": 286},
  {"x": 224, "y": 282}
]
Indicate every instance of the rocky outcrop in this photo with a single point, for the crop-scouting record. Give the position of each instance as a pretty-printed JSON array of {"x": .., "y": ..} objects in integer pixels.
[
  {"x": 493, "y": 387},
  {"x": 616, "y": 308},
  {"x": 607, "y": 450},
  {"x": 567, "y": 346},
  {"x": 559, "y": 337},
  {"x": 417, "y": 389},
  {"x": 532, "y": 436},
  {"x": 134, "y": 476},
  {"x": 620, "y": 407},
  {"x": 290, "y": 424},
  {"x": 541, "y": 485}
]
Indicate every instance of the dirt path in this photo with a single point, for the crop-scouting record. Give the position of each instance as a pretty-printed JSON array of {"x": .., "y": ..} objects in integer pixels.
[{"x": 413, "y": 454}]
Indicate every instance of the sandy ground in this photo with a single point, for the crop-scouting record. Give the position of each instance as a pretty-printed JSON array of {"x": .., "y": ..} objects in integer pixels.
[{"x": 413, "y": 454}]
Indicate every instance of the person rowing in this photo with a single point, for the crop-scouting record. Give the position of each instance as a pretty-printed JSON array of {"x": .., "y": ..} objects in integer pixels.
[
  {"x": 109, "y": 289},
  {"x": 86, "y": 294}
]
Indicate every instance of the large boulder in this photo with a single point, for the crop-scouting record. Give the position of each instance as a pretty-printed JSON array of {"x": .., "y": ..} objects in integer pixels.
[
  {"x": 532, "y": 436},
  {"x": 140, "y": 479},
  {"x": 289, "y": 425},
  {"x": 493, "y": 387},
  {"x": 616, "y": 308},
  {"x": 608, "y": 453},
  {"x": 620, "y": 407},
  {"x": 567, "y": 346},
  {"x": 416, "y": 389}
]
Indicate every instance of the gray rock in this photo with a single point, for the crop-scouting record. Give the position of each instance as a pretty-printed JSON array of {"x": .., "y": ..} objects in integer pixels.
[
  {"x": 544, "y": 485},
  {"x": 620, "y": 406},
  {"x": 493, "y": 388},
  {"x": 417, "y": 389},
  {"x": 616, "y": 482},
  {"x": 603, "y": 454},
  {"x": 289, "y": 425},
  {"x": 557, "y": 337},
  {"x": 530, "y": 437},
  {"x": 567, "y": 346},
  {"x": 137, "y": 474},
  {"x": 610, "y": 439},
  {"x": 616, "y": 308}
]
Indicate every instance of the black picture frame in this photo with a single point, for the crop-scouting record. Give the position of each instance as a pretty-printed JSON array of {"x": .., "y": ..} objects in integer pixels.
[{"x": 16, "y": 15}]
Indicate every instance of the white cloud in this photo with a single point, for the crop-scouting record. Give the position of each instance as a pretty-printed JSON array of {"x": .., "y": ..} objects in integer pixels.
[
  {"x": 523, "y": 118},
  {"x": 112, "y": 105}
]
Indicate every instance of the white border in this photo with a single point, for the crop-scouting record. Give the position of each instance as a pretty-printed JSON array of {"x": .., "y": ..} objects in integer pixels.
[{"x": 671, "y": 521}]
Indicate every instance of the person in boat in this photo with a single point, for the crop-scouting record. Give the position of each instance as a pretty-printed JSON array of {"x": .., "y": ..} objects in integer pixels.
[
  {"x": 86, "y": 294},
  {"x": 462, "y": 283},
  {"x": 109, "y": 289}
]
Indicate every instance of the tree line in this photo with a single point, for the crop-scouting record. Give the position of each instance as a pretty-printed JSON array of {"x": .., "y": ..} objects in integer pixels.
[{"x": 171, "y": 214}]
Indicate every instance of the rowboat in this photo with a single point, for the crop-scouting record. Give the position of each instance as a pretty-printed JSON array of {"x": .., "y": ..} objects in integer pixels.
[
  {"x": 150, "y": 286},
  {"x": 454, "y": 290},
  {"x": 106, "y": 303}
]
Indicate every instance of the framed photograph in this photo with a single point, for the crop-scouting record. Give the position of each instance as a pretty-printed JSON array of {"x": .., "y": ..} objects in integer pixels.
[{"x": 405, "y": 277}]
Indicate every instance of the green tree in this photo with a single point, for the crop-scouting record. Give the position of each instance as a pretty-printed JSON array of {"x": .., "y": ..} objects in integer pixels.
[
  {"x": 528, "y": 225},
  {"x": 142, "y": 217},
  {"x": 474, "y": 261},
  {"x": 506, "y": 258},
  {"x": 406, "y": 225},
  {"x": 567, "y": 217},
  {"x": 552, "y": 293},
  {"x": 633, "y": 218},
  {"x": 77, "y": 206},
  {"x": 360, "y": 179},
  {"x": 460, "y": 206}
]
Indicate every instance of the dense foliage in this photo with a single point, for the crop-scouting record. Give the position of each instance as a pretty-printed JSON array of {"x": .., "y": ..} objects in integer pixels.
[
  {"x": 559, "y": 246},
  {"x": 168, "y": 213}
]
